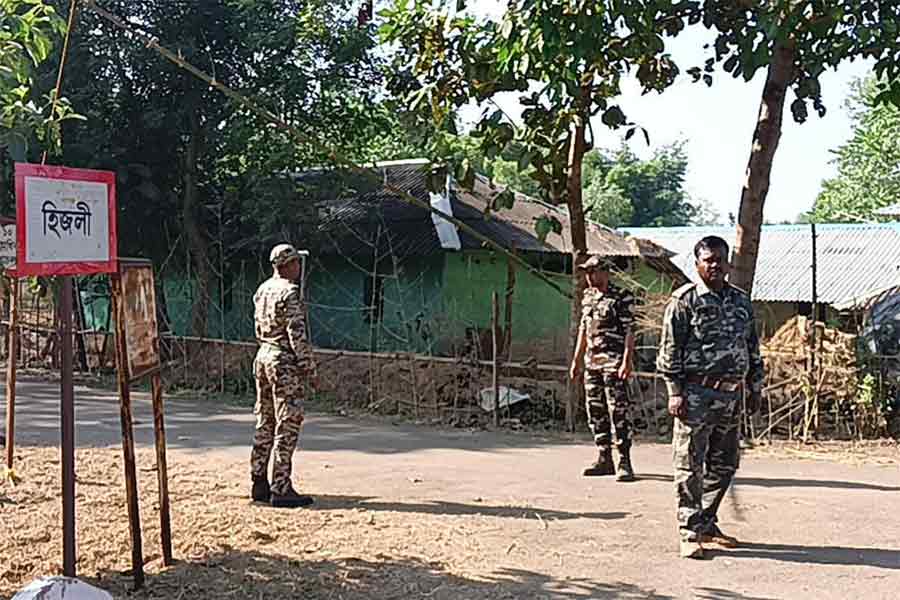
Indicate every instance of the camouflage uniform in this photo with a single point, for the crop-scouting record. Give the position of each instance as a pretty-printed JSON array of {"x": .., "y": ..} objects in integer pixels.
[
  {"x": 606, "y": 320},
  {"x": 709, "y": 341},
  {"x": 283, "y": 364}
]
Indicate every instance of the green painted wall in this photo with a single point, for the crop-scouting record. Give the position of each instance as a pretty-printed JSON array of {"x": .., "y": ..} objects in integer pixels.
[
  {"x": 340, "y": 295},
  {"x": 428, "y": 304},
  {"x": 539, "y": 313}
]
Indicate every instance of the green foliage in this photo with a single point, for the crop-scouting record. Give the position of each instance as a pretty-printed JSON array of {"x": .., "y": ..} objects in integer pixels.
[
  {"x": 563, "y": 59},
  {"x": 821, "y": 33},
  {"x": 29, "y": 30},
  {"x": 182, "y": 150},
  {"x": 868, "y": 164},
  {"x": 621, "y": 189},
  {"x": 607, "y": 203}
]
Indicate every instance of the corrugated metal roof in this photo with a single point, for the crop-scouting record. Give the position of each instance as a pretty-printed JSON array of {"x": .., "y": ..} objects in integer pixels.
[
  {"x": 868, "y": 300},
  {"x": 853, "y": 260},
  {"x": 889, "y": 211},
  {"x": 354, "y": 212}
]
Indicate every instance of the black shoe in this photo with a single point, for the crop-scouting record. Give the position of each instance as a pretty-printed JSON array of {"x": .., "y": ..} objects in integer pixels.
[
  {"x": 290, "y": 499},
  {"x": 260, "y": 491},
  {"x": 624, "y": 472},
  {"x": 603, "y": 466}
]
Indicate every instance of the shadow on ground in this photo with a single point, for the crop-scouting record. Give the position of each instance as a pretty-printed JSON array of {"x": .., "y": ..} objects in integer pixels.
[
  {"x": 788, "y": 483},
  {"x": 257, "y": 575},
  {"x": 707, "y": 593},
  {"x": 818, "y": 555},
  {"x": 437, "y": 507}
]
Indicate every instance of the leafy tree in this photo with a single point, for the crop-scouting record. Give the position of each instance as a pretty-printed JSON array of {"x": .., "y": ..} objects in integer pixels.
[
  {"x": 795, "y": 41},
  {"x": 193, "y": 167},
  {"x": 624, "y": 190},
  {"x": 608, "y": 203},
  {"x": 563, "y": 58},
  {"x": 29, "y": 30},
  {"x": 868, "y": 164}
]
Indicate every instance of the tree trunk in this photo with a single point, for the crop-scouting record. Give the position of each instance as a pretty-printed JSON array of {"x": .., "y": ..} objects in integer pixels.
[
  {"x": 195, "y": 239},
  {"x": 6, "y": 196},
  {"x": 759, "y": 169},
  {"x": 577, "y": 150}
]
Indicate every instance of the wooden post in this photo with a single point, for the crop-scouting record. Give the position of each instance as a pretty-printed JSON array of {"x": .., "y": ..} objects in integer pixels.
[
  {"x": 507, "y": 317},
  {"x": 415, "y": 383},
  {"x": 810, "y": 396},
  {"x": 495, "y": 318},
  {"x": 131, "y": 489},
  {"x": 162, "y": 469},
  {"x": 79, "y": 327},
  {"x": 11, "y": 372},
  {"x": 67, "y": 428}
]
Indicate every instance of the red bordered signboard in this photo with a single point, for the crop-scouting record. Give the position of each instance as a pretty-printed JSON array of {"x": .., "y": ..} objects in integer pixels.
[{"x": 66, "y": 221}]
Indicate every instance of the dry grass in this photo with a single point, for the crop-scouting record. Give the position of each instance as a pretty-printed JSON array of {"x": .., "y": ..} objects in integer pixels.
[
  {"x": 865, "y": 452},
  {"x": 345, "y": 547}
]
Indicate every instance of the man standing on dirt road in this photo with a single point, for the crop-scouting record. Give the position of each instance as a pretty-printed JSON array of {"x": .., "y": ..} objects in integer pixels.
[
  {"x": 708, "y": 354},
  {"x": 605, "y": 349},
  {"x": 283, "y": 365}
]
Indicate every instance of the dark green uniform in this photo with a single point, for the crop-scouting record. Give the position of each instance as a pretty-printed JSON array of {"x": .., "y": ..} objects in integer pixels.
[
  {"x": 606, "y": 320},
  {"x": 708, "y": 353}
]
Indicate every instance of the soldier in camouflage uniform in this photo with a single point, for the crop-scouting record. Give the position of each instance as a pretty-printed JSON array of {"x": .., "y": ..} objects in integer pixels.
[
  {"x": 605, "y": 348},
  {"x": 708, "y": 355},
  {"x": 282, "y": 367}
]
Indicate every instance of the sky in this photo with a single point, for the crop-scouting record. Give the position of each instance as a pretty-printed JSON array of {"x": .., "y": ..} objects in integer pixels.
[{"x": 717, "y": 125}]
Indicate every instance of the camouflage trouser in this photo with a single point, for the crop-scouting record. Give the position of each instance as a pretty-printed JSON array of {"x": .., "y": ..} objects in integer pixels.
[
  {"x": 279, "y": 415},
  {"x": 705, "y": 455},
  {"x": 605, "y": 392}
]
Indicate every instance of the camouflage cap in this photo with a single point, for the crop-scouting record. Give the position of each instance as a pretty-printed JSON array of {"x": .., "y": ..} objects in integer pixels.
[
  {"x": 595, "y": 262},
  {"x": 282, "y": 254}
]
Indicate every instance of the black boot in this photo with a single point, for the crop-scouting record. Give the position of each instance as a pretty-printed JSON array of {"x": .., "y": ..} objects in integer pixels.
[
  {"x": 290, "y": 499},
  {"x": 260, "y": 491},
  {"x": 624, "y": 472},
  {"x": 604, "y": 464}
]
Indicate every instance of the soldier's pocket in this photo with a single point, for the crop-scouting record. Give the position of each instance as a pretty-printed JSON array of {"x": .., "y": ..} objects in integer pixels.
[
  {"x": 696, "y": 406},
  {"x": 291, "y": 410}
]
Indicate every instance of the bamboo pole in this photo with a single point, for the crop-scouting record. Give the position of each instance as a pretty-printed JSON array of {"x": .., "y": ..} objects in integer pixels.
[
  {"x": 495, "y": 381},
  {"x": 131, "y": 484},
  {"x": 11, "y": 373},
  {"x": 162, "y": 469}
]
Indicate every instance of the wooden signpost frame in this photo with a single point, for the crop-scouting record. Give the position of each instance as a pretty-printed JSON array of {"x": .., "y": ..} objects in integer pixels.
[
  {"x": 69, "y": 198},
  {"x": 125, "y": 378}
]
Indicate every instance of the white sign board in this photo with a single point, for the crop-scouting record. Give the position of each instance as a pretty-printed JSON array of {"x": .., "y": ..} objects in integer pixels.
[{"x": 67, "y": 220}]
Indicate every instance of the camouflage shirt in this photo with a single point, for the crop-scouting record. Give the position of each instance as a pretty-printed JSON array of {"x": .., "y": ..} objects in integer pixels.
[
  {"x": 281, "y": 322},
  {"x": 606, "y": 320},
  {"x": 709, "y": 333}
]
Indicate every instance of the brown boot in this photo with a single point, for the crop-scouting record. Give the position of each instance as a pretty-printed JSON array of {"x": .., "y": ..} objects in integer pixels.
[
  {"x": 604, "y": 464},
  {"x": 714, "y": 535}
]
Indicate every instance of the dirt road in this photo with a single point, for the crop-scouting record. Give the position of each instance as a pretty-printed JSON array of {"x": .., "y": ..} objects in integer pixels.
[{"x": 415, "y": 512}]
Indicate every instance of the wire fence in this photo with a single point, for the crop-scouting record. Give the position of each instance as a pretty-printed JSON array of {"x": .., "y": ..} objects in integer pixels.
[{"x": 403, "y": 327}]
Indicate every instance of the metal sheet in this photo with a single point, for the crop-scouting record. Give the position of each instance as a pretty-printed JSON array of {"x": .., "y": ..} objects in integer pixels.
[{"x": 141, "y": 329}]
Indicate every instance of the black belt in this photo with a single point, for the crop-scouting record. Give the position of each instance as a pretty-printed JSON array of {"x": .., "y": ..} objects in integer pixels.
[{"x": 719, "y": 384}]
